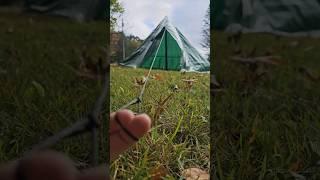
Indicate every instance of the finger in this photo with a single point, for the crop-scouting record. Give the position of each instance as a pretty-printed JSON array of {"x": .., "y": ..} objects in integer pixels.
[
  {"x": 100, "y": 173},
  {"x": 130, "y": 129},
  {"x": 7, "y": 171},
  {"x": 46, "y": 165},
  {"x": 125, "y": 115}
]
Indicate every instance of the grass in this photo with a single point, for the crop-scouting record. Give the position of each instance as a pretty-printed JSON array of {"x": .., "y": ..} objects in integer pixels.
[
  {"x": 266, "y": 128},
  {"x": 179, "y": 138},
  {"x": 40, "y": 91}
]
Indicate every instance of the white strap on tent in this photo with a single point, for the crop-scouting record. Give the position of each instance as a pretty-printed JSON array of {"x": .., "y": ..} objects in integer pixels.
[
  {"x": 144, "y": 85},
  {"x": 138, "y": 100}
]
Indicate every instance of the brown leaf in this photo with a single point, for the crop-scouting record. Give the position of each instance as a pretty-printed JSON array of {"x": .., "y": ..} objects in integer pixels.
[
  {"x": 158, "y": 172},
  {"x": 189, "y": 82},
  {"x": 158, "y": 77},
  {"x": 140, "y": 81},
  {"x": 195, "y": 174}
]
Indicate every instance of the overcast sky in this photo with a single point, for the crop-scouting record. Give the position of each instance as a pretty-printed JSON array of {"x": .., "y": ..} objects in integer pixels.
[{"x": 142, "y": 16}]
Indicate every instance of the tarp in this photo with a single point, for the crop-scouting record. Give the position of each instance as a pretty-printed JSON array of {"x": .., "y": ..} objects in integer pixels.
[
  {"x": 171, "y": 50},
  {"x": 80, "y": 10},
  {"x": 283, "y": 17}
]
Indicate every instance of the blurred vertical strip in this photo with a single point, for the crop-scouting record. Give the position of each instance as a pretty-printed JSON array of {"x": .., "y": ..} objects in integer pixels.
[
  {"x": 211, "y": 57},
  {"x": 108, "y": 79}
]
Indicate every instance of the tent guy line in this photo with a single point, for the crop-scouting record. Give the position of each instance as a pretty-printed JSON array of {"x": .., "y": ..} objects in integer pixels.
[{"x": 138, "y": 100}]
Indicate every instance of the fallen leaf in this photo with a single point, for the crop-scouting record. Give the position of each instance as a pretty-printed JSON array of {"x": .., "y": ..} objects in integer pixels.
[
  {"x": 189, "y": 82},
  {"x": 195, "y": 174},
  {"x": 140, "y": 81},
  {"x": 158, "y": 172},
  {"x": 158, "y": 77}
]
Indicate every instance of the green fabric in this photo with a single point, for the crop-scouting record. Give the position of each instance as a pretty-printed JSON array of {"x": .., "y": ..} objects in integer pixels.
[
  {"x": 175, "y": 51},
  {"x": 295, "y": 17},
  {"x": 173, "y": 55}
]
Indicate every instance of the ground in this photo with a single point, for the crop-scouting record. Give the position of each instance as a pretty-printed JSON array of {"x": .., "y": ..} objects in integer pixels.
[
  {"x": 265, "y": 118},
  {"x": 41, "y": 90},
  {"x": 179, "y": 138}
]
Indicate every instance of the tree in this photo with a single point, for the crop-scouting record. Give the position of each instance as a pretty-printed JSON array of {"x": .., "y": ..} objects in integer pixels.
[
  {"x": 116, "y": 10},
  {"x": 132, "y": 44},
  {"x": 206, "y": 31}
]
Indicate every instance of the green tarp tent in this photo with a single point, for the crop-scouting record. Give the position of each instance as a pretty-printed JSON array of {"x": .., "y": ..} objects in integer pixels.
[
  {"x": 282, "y": 17},
  {"x": 170, "y": 49}
]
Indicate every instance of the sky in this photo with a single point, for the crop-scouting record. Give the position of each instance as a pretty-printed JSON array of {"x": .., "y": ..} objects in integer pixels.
[{"x": 142, "y": 16}]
